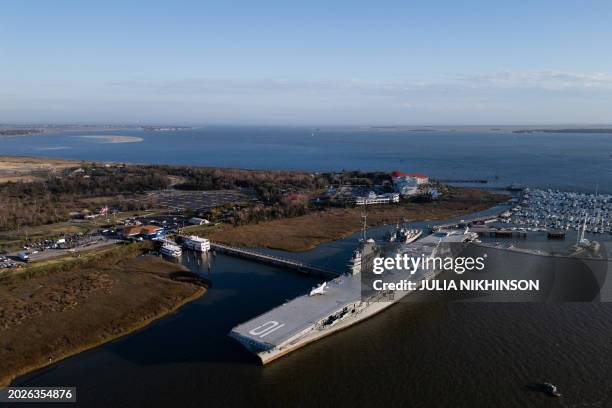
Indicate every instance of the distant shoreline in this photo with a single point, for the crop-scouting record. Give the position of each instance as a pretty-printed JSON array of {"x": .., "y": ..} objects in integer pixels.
[
  {"x": 46, "y": 131},
  {"x": 41, "y": 130},
  {"x": 566, "y": 130}
]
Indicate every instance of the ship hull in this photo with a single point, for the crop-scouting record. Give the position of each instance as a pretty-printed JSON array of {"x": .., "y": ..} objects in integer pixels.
[
  {"x": 272, "y": 355},
  {"x": 340, "y": 305},
  {"x": 372, "y": 309}
]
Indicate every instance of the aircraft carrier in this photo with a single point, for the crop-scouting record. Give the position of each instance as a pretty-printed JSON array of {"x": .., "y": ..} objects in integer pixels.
[{"x": 339, "y": 303}]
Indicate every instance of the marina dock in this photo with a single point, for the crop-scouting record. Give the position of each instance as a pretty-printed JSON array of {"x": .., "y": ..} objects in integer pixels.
[
  {"x": 499, "y": 233},
  {"x": 463, "y": 223},
  {"x": 299, "y": 266}
]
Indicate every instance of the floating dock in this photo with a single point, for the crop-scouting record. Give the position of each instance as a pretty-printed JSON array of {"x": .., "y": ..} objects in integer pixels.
[
  {"x": 500, "y": 233},
  {"x": 555, "y": 234},
  {"x": 464, "y": 223}
]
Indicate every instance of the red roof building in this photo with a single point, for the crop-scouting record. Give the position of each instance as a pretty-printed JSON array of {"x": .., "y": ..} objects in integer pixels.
[
  {"x": 415, "y": 175},
  {"x": 418, "y": 176}
]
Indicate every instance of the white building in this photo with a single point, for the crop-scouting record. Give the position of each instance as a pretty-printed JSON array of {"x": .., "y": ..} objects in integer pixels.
[
  {"x": 435, "y": 194},
  {"x": 197, "y": 244},
  {"x": 198, "y": 221},
  {"x": 404, "y": 185},
  {"x": 420, "y": 178},
  {"x": 407, "y": 184},
  {"x": 372, "y": 198}
]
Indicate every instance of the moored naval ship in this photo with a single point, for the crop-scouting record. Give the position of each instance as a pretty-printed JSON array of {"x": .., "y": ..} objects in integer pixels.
[
  {"x": 337, "y": 304},
  {"x": 403, "y": 235}
]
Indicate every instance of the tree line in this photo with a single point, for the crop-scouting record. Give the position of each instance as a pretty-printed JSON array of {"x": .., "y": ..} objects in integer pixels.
[{"x": 51, "y": 198}]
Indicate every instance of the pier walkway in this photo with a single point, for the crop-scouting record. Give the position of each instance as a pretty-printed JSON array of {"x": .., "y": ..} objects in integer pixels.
[
  {"x": 463, "y": 223},
  {"x": 274, "y": 260},
  {"x": 500, "y": 232}
]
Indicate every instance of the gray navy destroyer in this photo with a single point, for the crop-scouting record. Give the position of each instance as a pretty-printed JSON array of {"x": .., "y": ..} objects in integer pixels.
[{"x": 339, "y": 303}]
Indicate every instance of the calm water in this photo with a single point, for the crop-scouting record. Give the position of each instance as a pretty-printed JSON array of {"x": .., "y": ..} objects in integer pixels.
[
  {"x": 564, "y": 161},
  {"x": 414, "y": 354}
]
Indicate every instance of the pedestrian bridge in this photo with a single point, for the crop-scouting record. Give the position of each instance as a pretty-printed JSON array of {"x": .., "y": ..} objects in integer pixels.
[{"x": 274, "y": 260}]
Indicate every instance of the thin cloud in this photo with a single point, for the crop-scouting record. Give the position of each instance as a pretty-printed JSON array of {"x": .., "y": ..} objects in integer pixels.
[
  {"x": 500, "y": 97},
  {"x": 548, "y": 80},
  {"x": 544, "y": 80}
]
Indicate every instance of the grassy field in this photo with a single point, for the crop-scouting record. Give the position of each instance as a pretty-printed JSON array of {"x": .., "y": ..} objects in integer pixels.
[
  {"x": 14, "y": 168},
  {"x": 306, "y": 232},
  {"x": 54, "y": 309},
  {"x": 200, "y": 229}
]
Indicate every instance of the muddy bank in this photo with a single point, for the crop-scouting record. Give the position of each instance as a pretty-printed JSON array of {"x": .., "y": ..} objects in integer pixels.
[
  {"x": 53, "y": 312},
  {"x": 305, "y": 232}
]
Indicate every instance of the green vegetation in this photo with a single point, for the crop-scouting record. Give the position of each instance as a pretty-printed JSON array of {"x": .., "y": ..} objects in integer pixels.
[
  {"x": 52, "y": 196},
  {"x": 50, "y": 200},
  {"x": 568, "y": 130}
]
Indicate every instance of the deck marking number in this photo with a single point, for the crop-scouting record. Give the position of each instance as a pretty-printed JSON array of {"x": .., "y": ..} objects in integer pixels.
[{"x": 266, "y": 328}]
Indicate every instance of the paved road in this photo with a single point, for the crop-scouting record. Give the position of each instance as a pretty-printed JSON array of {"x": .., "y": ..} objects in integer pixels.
[{"x": 53, "y": 253}]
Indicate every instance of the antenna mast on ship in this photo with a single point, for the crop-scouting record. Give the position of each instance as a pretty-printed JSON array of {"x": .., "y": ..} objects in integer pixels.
[
  {"x": 364, "y": 217},
  {"x": 581, "y": 234}
]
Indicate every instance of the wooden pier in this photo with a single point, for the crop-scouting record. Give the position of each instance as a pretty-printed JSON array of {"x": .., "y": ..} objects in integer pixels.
[{"x": 274, "y": 260}]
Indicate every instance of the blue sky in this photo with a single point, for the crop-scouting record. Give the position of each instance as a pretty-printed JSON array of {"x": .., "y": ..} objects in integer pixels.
[{"x": 307, "y": 63}]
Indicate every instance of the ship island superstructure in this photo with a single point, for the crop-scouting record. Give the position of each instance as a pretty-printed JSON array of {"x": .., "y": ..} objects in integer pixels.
[
  {"x": 338, "y": 303},
  {"x": 403, "y": 235}
]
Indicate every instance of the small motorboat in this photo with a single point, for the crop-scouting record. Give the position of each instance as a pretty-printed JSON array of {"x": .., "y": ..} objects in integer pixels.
[
  {"x": 546, "y": 388},
  {"x": 551, "y": 390}
]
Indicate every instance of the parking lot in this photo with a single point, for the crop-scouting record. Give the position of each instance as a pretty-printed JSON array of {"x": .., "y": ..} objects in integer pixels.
[
  {"x": 7, "y": 262},
  {"x": 197, "y": 200},
  {"x": 84, "y": 246},
  {"x": 48, "y": 249}
]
